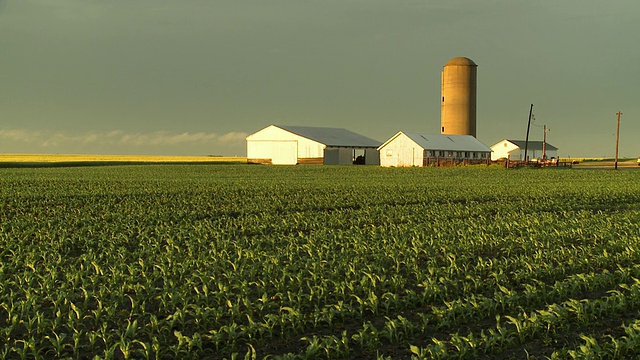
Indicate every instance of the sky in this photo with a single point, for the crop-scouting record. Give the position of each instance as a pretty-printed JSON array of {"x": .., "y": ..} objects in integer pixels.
[{"x": 195, "y": 77}]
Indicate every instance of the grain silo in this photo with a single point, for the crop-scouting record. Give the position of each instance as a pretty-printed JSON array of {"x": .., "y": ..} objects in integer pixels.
[{"x": 458, "y": 110}]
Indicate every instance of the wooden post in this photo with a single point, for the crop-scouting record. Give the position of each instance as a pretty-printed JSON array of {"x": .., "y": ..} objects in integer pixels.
[
  {"x": 544, "y": 143},
  {"x": 526, "y": 140},
  {"x": 617, "y": 140}
]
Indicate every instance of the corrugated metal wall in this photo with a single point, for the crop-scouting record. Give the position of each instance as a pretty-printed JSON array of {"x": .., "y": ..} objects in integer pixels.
[
  {"x": 401, "y": 152},
  {"x": 282, "y": 147}
]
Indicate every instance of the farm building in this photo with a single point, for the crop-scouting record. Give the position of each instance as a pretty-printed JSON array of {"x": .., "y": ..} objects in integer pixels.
[
  {"x": 414, "y": 149},
  {"x": 514, "y": 150},
  {"x": 291, "y": 145}
]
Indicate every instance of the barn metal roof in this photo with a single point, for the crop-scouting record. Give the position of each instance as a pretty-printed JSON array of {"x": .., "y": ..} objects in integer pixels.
[
  {"x": 332, "y": 136},
  {"x": 533, "y": 145},
  {"x": 445, "y": 142}
]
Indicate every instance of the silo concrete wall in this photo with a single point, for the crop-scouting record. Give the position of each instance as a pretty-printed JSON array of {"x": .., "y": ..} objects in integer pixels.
[{"x": 459, "y": 93}]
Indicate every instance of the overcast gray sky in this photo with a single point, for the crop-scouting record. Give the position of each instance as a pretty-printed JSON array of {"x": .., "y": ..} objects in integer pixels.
[{"x": 194, "y": 77}]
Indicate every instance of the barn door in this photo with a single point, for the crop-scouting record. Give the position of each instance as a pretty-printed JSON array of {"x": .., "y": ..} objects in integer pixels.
[
  {"x": 405, "y": 157},
  {"x": 284, "y": 152}
]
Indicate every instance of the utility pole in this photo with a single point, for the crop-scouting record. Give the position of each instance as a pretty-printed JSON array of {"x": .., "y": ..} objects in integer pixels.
[
  {"x": 617, "y": 139},
  {"x": 526, "y": 141},
  {"x": 544, "y": 143}
]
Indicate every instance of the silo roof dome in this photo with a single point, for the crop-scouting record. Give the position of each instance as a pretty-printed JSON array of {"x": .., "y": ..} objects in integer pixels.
[{"x": 461, "y": 61}]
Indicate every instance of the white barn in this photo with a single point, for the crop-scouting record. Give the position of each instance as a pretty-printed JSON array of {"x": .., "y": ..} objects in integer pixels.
[
  {"x": 514, "y": 150},
  {"x": 415, "y": 149},
  {"x": 291, "y": 145}
]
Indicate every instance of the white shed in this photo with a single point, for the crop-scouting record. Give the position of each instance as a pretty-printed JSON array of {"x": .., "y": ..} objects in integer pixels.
[
  {"x": 514, "y": 150},
  {"x": 415, "y": 149},
  {"x": 291, "y": 145}
]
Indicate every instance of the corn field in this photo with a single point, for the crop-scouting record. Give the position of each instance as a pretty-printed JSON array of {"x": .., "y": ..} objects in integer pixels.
[{"x": 255, "y": 262}]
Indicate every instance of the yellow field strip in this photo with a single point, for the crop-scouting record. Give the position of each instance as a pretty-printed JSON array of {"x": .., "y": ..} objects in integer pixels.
[{"x": 50, "y": 158}]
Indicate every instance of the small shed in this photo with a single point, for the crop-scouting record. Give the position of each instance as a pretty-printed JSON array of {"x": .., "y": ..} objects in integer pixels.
[
  {"x": 514, "y": 150},
  {"x": 291, "y": 145},
  {"x": 415, "y": 149}
]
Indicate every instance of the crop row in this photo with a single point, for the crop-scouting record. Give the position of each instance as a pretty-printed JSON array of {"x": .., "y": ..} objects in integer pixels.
[{"x": 305, "y": 262}]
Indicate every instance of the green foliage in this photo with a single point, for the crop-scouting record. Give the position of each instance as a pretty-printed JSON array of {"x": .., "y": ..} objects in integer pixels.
[{"x": 197, "y": 261}]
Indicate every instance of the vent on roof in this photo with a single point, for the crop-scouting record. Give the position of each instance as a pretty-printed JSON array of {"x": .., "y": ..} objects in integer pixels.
[
  {"x": 450, "y": 139},
  {"x": 422, "y": 136}
]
